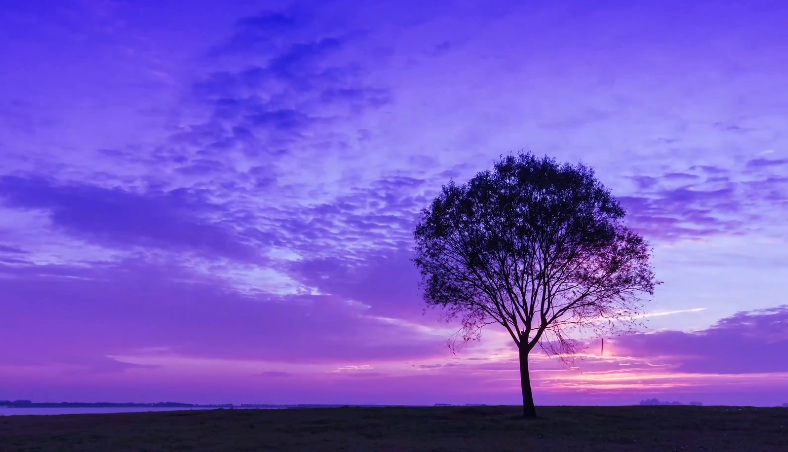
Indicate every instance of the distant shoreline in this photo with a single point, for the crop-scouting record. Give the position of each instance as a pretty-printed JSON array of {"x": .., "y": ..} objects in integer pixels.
[
  {"x": 29, "y": 404},
  {"x": 108, "y": 405}
]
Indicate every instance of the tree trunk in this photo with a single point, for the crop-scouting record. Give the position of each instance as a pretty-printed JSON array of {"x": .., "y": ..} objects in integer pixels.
[{"x": 529, "y": 410}]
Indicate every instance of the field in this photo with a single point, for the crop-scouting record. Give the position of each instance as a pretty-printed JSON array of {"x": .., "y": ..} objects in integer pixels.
[{"x": 637, "y": 428}]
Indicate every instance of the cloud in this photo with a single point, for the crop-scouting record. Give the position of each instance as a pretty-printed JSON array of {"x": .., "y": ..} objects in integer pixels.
[
  {"x": 11, "y": 250},
  {"x": 702, "y": 203},
  {"x": 124, "y": 309},
  {"x": 681, "y": 176},
  {"x": 710, "y": 169},
  {"x": 386, "y": 282},
  {"x": 179, "y": 220},
  {"x": 94, "y": 365},
  {"x": 296, "y": 101},
  {"x": 274, "y": 374},
  {"x": 765, "y": 163},
  {"x": 363, "y": 222},
  {"x": 260, "y": 33},
  {"x": 747, "y": 342}
]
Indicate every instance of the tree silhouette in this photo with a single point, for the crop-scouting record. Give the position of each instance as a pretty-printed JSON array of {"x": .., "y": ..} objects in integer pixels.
[{"x": 538, "y": 247}]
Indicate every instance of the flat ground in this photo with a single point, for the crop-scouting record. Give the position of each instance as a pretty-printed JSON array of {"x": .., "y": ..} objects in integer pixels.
[{"x": 637, "y": 428}]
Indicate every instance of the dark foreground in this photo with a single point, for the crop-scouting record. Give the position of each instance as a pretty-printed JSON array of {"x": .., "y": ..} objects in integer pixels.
[{"x": 638, "y": 428}]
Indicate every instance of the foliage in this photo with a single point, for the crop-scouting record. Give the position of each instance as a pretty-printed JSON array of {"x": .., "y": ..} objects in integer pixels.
[{"x": 536, "y": 246}]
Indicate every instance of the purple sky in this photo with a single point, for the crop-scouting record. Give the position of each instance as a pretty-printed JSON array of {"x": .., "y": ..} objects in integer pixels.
[{"x": 215, "y": 202}]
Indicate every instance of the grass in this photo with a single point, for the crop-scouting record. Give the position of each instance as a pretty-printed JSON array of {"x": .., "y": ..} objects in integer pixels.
[{"x": 634, "y": 428}]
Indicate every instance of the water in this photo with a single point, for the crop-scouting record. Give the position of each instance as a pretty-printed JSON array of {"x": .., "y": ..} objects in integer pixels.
[{"x": 6, "y": 411}]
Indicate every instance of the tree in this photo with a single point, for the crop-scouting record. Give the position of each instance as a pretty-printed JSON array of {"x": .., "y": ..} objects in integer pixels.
[{"x": 537, "y": 247}]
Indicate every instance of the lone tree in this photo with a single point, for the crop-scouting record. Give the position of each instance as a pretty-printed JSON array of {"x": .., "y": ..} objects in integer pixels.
[{"x": 537, "y": 247}]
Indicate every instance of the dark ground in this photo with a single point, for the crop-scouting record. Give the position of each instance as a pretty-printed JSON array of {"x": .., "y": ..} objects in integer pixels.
[{"x": 635, "y": 428}]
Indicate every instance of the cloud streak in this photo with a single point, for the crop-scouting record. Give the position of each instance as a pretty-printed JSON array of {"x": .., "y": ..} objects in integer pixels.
[{"x": 175, "y": 220}]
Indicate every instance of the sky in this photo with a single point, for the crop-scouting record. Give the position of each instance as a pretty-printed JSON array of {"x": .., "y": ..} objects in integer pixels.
[{"x": 214, "y": 203}]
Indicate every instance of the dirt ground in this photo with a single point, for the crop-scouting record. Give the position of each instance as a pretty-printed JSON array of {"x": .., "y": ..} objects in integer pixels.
[{"x": 635, "y": 428}]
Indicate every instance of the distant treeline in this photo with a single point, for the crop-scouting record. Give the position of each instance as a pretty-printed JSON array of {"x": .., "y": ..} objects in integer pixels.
[{"x": 658, "y": 402}]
